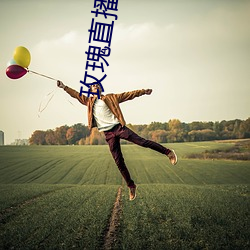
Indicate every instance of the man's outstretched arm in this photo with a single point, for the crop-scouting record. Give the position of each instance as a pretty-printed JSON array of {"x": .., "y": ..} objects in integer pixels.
[
  {"x": 132, "y": 94},
  {"x": 82, "y": 99}
]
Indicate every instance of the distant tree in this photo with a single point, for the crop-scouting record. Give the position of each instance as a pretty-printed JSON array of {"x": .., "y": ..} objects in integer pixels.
[
  {"x": 50, "y": 137},
  {"x": 185, "y": 130},
  {"x": 37, "y": 138},
  {"x": 82, "y": 142},
  {"x": 141, "y": 130},
  {"x": 77, "y": 132},
  {"x": 157, "y": 126},
  {"x": 70, "y": 135},
  {"x": 228, "y": 129},
  {"x": 217, "y": 129},
  {"x": 145, "y": 133},
  {"x": 96, "y": 137},
  {"x": 159, "y": 135},
  {"x": 202, "y": 135},
  {"x": 60, "y": 134},
  {"x": 245, "y": 129},
  {"x": 196, "y": 126},
  {"x": 236, "y": 128},
  {"x": 81, "y": 130},
  {"x": 132, "y": 127},
  {"x": 175, "y": 133},
  {"x": 175, "y": 124}
]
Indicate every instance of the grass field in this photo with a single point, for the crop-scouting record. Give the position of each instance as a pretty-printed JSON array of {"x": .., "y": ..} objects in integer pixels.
[{"x": 62, "y": 197}]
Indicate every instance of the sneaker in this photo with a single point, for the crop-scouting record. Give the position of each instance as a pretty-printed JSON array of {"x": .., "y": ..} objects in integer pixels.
[
  {"x": 132, "y": 193},
  {"x": 172, "y": 157}
]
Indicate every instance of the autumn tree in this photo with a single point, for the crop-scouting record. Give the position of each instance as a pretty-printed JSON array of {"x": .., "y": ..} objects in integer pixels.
[
  {"x": 77, "y": 133},
  {"x": 159, "y": 135},
  {"x": 157, "y": 125},
  {"x": 202, "y": 135},
  {"x": 50, "y": 137},
  {"x": 95, "y": 138},
  {"x": 175, "y": 133},
  {"x": 60, "y": 134},
  {"x": 38, "y": 138},
  {"x": 245, "y": 129}
]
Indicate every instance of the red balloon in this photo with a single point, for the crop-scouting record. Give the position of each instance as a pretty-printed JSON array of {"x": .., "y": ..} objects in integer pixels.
[{"x": 15, "y": 71}]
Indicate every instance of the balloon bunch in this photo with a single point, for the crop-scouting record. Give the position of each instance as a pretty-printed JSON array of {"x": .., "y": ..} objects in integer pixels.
[{"x": 18, "y": 65}]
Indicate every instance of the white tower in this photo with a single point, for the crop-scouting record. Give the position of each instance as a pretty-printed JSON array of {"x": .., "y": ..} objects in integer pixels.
[{"x": 1, "y": 138}]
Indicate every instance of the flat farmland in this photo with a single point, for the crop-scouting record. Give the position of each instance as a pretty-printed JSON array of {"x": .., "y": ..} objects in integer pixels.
[{"x": 64, "y": 197}]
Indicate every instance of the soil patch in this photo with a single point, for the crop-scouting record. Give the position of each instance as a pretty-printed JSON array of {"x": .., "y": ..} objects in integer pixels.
[{"x": 112, "y": 231}]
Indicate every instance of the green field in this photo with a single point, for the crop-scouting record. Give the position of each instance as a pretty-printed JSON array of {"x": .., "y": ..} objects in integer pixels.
[{"x": 62, "y": 197}]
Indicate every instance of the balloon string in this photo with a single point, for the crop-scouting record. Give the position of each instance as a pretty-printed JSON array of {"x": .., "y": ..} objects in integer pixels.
[
  {"x": 71, "y": 103},
  {"x": 50, "y": 96},
  {"x": 31, "y": 71}
]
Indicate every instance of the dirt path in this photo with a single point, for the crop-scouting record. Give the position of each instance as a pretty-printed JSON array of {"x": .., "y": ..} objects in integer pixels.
[{"x": 111, "y": 235}]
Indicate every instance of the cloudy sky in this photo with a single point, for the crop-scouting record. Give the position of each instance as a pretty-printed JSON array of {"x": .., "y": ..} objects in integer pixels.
[{"x": 194, "y": 54}]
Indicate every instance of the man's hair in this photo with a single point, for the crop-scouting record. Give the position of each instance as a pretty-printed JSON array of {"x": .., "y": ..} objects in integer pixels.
[{"x": 94, "y": 83}]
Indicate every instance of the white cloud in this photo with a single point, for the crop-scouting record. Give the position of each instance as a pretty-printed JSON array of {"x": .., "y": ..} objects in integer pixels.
[
  {"x": 131, "y": 33},
  {"x": 69, "y": 42}
]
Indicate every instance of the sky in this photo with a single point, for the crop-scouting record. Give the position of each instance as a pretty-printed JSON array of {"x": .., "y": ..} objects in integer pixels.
[{"x": 194, "y": 54}]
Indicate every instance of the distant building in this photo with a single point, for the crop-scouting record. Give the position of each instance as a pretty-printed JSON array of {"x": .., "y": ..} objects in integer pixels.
[{"x": 1, "y": 138}]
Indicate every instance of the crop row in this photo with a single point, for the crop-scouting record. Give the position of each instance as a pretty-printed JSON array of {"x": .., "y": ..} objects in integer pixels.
[
  {"x": 64, "y": 218},
  {"x": 187, "y": 217},
  {"x": 94, "y": 165}
]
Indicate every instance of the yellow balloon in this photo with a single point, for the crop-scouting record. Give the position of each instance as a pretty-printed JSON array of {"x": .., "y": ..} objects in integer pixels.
[{"x": 22, "y": 56}]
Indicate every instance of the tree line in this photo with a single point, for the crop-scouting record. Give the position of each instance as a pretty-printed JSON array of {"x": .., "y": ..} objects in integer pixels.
[{"x": 172, "y": 131}]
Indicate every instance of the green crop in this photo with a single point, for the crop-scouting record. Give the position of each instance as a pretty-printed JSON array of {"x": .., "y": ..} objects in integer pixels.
[{"x": 62, "y": 197}]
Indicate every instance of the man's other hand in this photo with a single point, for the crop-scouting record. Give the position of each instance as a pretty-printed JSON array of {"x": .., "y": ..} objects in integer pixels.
[{"x": 148, "y": 91}]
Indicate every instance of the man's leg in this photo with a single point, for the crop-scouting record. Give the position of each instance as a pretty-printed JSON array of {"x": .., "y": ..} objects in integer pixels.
[
  {"x": 129, "y": 135},
  {"x": 115, "y": 149}
]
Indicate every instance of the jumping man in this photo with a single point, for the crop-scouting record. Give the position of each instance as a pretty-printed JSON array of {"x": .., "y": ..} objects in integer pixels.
[{"x": 106, "y": 115}]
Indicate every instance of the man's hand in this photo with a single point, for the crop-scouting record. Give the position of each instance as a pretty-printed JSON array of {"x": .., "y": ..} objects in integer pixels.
[
  {"x": 60, "y": 84},
  {"x": 148, "y": 91}
]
